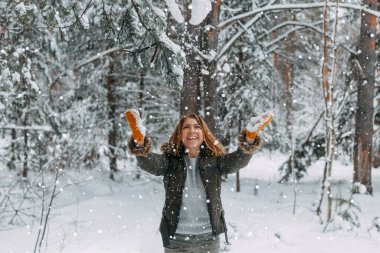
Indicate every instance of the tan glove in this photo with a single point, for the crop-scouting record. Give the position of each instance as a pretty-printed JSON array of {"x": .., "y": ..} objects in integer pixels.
[{"x": 138, "y": 129}]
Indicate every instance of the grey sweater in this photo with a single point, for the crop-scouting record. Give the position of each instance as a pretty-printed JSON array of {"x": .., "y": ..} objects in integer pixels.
[{"x": 194, "y": 217}]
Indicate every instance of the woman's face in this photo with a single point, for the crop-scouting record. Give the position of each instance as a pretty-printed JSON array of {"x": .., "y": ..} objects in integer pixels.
[{"x": 191, "y": 134}]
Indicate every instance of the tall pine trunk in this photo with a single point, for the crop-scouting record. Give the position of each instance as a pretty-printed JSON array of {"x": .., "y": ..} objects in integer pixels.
[
  {"x": 11, "y": 164},
  {"x": 328, "y": 113},
  {"x": 111, "y": 118},
  {"x": 26, "y": 150},
  {"x": 141, "y": 105},
  {"x": 190, "y": 94},
  {"x": 328, "y": 94},
  {"x": 211, "y": 80},
  {"x": 364, "y": 109}
]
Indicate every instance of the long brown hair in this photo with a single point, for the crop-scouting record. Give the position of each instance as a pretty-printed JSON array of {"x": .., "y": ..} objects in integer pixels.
[{"x": 213, "y": 146}]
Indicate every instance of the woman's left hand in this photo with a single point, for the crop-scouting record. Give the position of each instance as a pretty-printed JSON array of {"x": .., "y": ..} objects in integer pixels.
[
  {"x": 250, "y": 140},
  {"x": 256, "y": 124}
]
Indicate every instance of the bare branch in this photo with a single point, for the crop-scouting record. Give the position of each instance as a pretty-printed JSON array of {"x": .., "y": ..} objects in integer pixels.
[
  {"x": 300, "y": 26},
  {"x": 278, "y": 7},
  {"x": 244, "y": 28}
]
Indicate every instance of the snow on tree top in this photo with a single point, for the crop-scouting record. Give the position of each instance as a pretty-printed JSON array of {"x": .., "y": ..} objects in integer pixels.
[
  {"x": 199, "y": 11},
  {"x": 174, "y": 10}
]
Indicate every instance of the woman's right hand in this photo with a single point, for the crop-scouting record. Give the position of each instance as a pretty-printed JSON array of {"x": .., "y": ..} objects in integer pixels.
[{"x": 138, "y": 129}]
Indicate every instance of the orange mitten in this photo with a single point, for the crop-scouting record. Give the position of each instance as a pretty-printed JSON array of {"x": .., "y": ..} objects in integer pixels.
[
  {"x": 138, "y": 130},
  {"x": 256, "y": 124}
]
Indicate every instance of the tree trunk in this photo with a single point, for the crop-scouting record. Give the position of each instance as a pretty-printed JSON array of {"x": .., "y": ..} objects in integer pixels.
[
  {"x": 26, "y": 149},
  {"x": 111, "y": 117},
  {"x": 327, "y": 98},
  {"x": 237, "y": 181},
  {"x": 288, "y": 81},
  {"x": 141, "y": 105},
  {"x": 190, "y": 94},
  {"x": 211, "y": 80},
  {"x": 11, "y": 163},
  {"x": 364, "y": 109}
]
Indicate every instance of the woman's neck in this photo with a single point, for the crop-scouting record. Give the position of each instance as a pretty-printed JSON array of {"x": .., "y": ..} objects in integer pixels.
[{"x": 193, "y": 152}]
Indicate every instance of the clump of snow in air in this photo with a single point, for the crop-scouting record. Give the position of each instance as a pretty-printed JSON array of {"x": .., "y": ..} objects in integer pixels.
[{"x": 255, "y": 123}]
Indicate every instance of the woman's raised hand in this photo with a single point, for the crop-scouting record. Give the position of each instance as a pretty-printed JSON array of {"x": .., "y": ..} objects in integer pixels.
[
  {"x": 256, "y": 124},
  {"x": 138, "y": 129}
]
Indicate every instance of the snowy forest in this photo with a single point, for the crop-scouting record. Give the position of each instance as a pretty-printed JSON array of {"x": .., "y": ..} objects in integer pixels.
[{"x": 69, "y": 70}]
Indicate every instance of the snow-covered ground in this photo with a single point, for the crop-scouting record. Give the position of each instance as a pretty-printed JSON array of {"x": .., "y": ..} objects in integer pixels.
[{"x": 123, "y": 216}]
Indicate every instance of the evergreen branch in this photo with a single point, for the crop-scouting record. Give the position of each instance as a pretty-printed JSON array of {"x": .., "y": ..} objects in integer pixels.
[
  {"x": 139, "y": 14},
  {"x": 81, "y": 15},
  {"x": 88, "y": 61},
  {"x": 65, "y": 26},
  {"x": 154, "y": 54},
  {"x": 146, "y": 48},
  {"x": 99, "y": 56},
  {"x": 78, "y": 17}
]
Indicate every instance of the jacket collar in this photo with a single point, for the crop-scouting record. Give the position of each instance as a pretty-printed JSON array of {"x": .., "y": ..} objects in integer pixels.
[{"x": 169, "y": 149}]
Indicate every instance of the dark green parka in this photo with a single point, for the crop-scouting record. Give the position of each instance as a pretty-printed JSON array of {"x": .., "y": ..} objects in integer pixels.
[{"x": 211, "y": 169}]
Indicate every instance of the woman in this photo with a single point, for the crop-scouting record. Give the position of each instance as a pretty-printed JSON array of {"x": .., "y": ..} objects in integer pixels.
[{"x": 192, "y": 166}]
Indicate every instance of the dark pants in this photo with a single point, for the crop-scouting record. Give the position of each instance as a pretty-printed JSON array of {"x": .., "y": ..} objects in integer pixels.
[{"x": 207, "y": 243}]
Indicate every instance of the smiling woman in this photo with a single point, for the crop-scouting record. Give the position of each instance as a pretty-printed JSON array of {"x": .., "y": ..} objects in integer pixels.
[
  {"x": 192, "y": 165},
  {"x": 190, "y": 133},
  {"x": 192, "y": 136}
]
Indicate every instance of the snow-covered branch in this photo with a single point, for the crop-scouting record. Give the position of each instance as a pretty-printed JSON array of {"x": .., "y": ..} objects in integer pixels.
[
  {"x": 243, "y": 29},
  {"x": 236, "y": 36},
  {"x": 288, "y": 23},
  {"x": 88, "y": 61},
  {"x": 300, "y": 26},
  {"x": 34, "y": 128},
  {"x": 79, "y": 19},
  {"x": 278, "y": 7}
]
